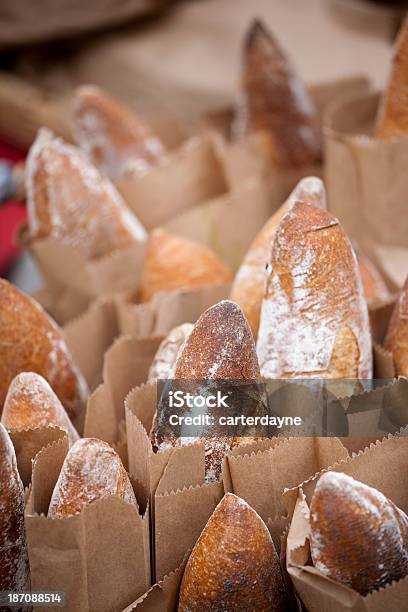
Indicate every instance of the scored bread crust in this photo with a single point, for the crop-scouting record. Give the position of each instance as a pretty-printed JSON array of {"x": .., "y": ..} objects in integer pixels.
[
  {"x": 91, "y": 470},
  {"x": 314, "y": 317},
  {"x": 392, "y": 116},
  {"x": 30, "y": 341},
  {"x": 220, "y": 347},
  {"x": 173, "y": 262},
  {"x": 233, "y": 565},
  {"x": 396, "y": 339},
  {"x": 15, "y": 569},
  {"x": 274, "y": 100},
  {"x": 31, "y": 403},
  {"x": 69, "y": 200},
  {"x": 249, "y": 283},
  {"x": 358, "y": 537},
  {"x": 114, "y": 138}
]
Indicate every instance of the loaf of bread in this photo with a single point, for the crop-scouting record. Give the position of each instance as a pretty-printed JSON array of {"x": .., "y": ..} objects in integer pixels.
[
  {"x": 375, "y": 289},
  {"x": 220, "y": 347},
  {"x": 249, "y": 283},
  {"x": 396, "y": 339},
  {"x": 275, "y": 101},
  {"x": 173, "y": 262},
  {"x": 164, "y": 361},
  {"x": 69, "y": 200},
  {"x": 116, "y": 140},
  {"x": 30, "y": 341},
  {"x": 91, "y": 470},
  {"x": 15, "y": 569},
  {"x": 314, "y": 318},
  {"x": 234, "y": 564},
  {"x": 31, "y": 403},
  {"x": 358, "y": 537},
  {"x": 392, "y": 117}
]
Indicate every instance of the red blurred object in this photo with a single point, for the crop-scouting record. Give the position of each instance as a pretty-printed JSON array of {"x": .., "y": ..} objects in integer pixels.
[{"x": 12, "y": 214}]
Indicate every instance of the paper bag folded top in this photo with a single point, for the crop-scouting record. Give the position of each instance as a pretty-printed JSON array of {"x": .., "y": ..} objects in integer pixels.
[
  {"x": 381, "y": 466},
  {"x": 367, "y": 183}
]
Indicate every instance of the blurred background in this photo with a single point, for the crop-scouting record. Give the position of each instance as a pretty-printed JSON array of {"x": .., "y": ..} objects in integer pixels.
[{"x": 160, "y": 57}]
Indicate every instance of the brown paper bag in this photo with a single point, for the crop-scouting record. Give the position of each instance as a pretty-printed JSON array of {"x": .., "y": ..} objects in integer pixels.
[
  {"x": 99, "y": 559},
  {"x": 183, "y": 179},
  {"x": 166, "y": 310},
  {"x": 367, "y": 184},
  {"x": 125, "y": 366},
  {"x": 381, "y": 466},
  {"x": 69, "y": 278},
  {"x": 261, "y": 477}
]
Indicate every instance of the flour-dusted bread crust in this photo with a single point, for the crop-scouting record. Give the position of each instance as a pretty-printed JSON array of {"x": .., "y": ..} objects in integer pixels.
[
  {"x": 275, "y": 100},
  {"x": 396, "y": 339},
  {"x": 69, "y": 200},
  {"x": 91, "y": 470},
  {"x": 116, "y": 140},
  {"x": 392, "y": 119},
  {"x": 174, "y": 262},
  {"x": 31, "y": 403},
  {"x": 314, "y": 317},
  {"x": 234, "y": 564},
  {"x": 15, "y": 569},
  {"x": 220, "y": 347},
  {"x": 30, "y": 341},
  {"x": 249, "y": 283},
  {"x": 358, "y": 537},
  {"x": 165, "y": 359}
]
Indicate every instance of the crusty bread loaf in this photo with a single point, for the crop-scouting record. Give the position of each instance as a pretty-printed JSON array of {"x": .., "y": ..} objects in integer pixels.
[
  {"x": 375, "y": 289},
  {"x": 116, "y": 140},
  {"x": 91, "y": 470},
  {"x": 30, "y": 341},
  {"x": 392, "y": 118},
  {"x": 68, "y": 199},
  {"x": 275, "y": 101},
  {"x": 15, "y": 569},
  {"x": 164, "y": 361},
  {"x": 234, "y": 564},
  {"x": 314, "y": 317},
  {"x": 358, "y": 537},
  {"x": 173, "y": 262},
  {"x": 31, "y": 403},
  {"x": 396, "y": 339},
  {"x": 249, "y": 283},
  {"x": 220, "y": 347}
]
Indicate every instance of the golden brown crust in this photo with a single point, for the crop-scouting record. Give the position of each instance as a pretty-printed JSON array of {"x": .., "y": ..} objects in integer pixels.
[
  {"x": 314, "y": 318},
  {"x": 392, "y": 119},
  {"x": 30, "y": 341},
  {"x": 173, "y": 262},
  {"x": 91, "y": 470},
  {"x": 31, "y": 403},
  {"x": 358, "y": 537},
  {"x": 234, "y": 565},
  {"x": 396, "y": 339},
  {"x": 220, "y": 347},
  {"x": 249, "y": 283},
  {"x": 15, "y": 569},
  {"x": 276, "y": 101},
  {"x": 374, "y": 285},
  {"x": 69, "y": 200},
  {"x": 115, "y": 139}
]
